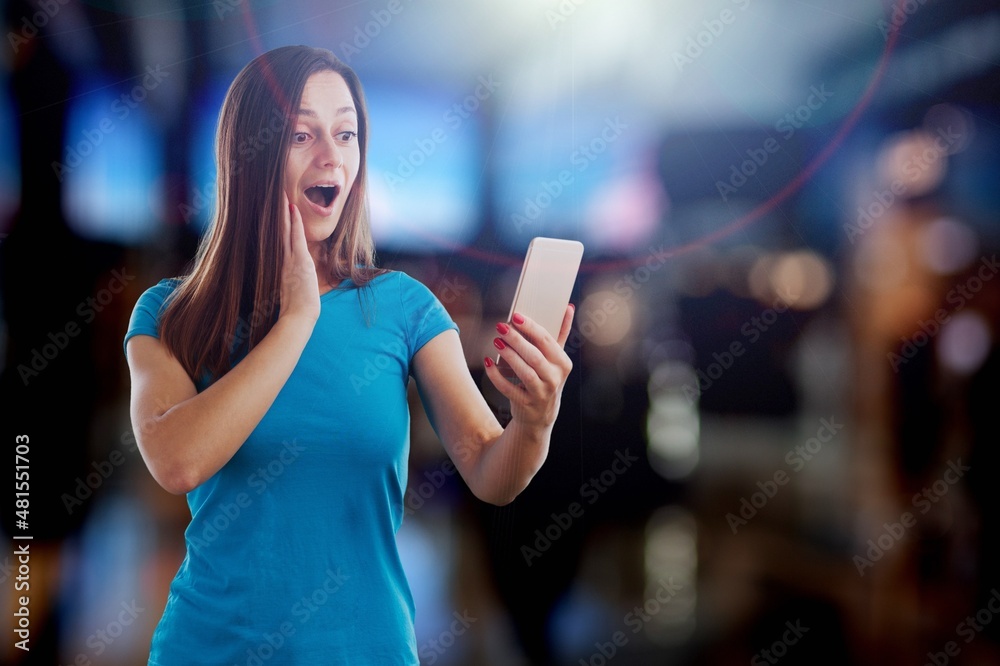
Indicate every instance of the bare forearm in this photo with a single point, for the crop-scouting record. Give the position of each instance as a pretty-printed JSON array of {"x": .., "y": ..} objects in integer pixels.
[
  {"x": 196, "y": 437},
  {"x": 507, "y": 464},
  {"x": 496, "y": 463}
]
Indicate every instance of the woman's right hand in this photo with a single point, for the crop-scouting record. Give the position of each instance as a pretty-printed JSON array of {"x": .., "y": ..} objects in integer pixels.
[
  {"x": 299, "y": 284},
  {"x": 185, "y": 435}
]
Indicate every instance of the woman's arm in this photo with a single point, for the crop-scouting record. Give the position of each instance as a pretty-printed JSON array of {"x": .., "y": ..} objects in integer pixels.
[
  {"x": 496, "y": 463},
  {"x": 184, "y": 436}
]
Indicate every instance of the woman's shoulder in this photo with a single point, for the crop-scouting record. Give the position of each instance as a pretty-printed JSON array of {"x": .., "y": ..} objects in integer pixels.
[
  {"x": 167, "y": 285},
  {"x": 159, "y": 293},
  {"x": 149, "y": 308},
  {"x": 400, "y": 284},
  {"x": 404, "y": 294},
  {"x": 393, "y": 281}
]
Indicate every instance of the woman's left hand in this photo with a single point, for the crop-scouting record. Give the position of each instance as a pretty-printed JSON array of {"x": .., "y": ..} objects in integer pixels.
[{"x": 539, "y": 362}]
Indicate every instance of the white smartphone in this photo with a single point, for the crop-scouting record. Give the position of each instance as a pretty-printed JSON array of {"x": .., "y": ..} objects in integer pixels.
[{"x": 546, "y": 283}]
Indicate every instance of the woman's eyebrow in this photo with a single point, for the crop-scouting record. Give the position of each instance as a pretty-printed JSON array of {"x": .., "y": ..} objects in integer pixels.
[{"x": 312, "y": 114}]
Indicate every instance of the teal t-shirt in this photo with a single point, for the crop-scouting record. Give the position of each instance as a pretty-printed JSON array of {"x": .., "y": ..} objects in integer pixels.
[{"x": 291, "y": 550}]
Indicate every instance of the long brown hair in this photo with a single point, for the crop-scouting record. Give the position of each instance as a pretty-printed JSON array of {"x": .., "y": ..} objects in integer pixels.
[{"x": 230, "y": 299}]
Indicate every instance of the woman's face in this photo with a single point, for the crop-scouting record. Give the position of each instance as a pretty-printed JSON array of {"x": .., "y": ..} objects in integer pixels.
[{"x": 324, "y": 154}]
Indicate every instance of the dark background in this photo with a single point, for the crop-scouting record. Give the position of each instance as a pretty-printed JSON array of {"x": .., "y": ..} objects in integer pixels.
[{"x": 787, "y": 319}]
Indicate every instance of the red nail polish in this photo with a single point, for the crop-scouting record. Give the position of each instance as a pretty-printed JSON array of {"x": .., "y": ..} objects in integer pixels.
[
  {"x": 503, "y": 329},
  {"x": 488, "y": 361},
  {"x": 498, "y": 343},
  {"x": 517, "y": 319}
]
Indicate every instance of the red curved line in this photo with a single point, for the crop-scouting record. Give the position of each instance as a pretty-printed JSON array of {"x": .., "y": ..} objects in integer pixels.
[
  {"x": 254, "y": 36},
  {"x": 793, "y": 185},
  {"x": 754, "y": 215}
]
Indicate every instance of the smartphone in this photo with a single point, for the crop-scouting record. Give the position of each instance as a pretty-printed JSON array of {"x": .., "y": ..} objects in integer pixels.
[{"x": 546, "y": 283}]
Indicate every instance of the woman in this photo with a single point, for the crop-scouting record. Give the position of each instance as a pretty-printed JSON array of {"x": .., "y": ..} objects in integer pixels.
[{"x": 253, "y": 391}]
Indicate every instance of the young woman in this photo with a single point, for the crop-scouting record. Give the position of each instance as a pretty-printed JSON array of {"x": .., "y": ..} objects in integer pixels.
[{"x": 269, "y": 385}]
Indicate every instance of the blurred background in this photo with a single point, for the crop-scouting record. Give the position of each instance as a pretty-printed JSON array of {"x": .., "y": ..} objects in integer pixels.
[{"x": 776, "y": 443}]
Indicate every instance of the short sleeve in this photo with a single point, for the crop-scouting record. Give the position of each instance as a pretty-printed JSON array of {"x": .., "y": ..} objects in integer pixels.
[
  {"x": 425, "y": 315},
  {"x": 145, "y": 317}
]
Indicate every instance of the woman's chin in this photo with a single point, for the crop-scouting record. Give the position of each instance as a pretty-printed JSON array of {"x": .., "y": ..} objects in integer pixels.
[{"x": 319, "y": 232}]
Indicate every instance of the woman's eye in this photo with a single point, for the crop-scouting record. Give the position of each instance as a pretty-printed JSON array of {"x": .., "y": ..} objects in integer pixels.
[
  {"x": 300, "y": 137},
  {"x": 347, "y": 136}
]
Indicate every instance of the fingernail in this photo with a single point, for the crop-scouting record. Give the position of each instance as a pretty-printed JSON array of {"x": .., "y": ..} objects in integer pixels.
[
  {"x": 517, "y": 319},
  {"x": 572, "y": 306},
  {"x": 488, "y": 361},
  {"x": 503, "y": 329},
  {"x": 498, "y": 343}
]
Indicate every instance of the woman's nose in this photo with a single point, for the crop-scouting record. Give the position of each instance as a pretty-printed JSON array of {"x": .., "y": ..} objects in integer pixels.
[{"x": 329, "y": 153}]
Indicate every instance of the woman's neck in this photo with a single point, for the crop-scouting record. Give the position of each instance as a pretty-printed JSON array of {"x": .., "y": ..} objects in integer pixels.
[{"x": 317, "y": 251}]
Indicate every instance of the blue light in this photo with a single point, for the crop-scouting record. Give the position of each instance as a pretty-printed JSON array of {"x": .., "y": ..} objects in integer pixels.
[
  {"x": 10, "y": 175},
  {"x": 111, "y": 166},
  {"x": 424, "y": 170},
  {"x": 199, "y": 207}
]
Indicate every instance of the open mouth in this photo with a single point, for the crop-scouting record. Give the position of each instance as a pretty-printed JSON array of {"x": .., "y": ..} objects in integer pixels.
[{"x": 322, "y": 195}]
